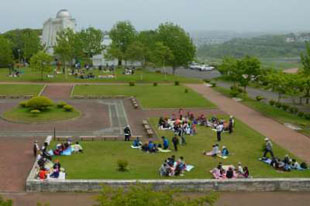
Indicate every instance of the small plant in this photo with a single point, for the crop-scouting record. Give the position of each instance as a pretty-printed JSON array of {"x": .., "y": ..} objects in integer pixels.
[
  {"x": 35, "y": 111},
  {"x": 259, "y": 98},
  {"x": 122, "y": 165},
  {"x": 278, "y": 104},
  {"x": 68, "y": 108},
  {"x": 213, "y": 84},
  {"x": 234, "y": 93},
  {"x": 301, "y": 114},
  {"x": 206, "y": 80},
  {"x": 39, "y": 103},
  {"x": 61, "y": 104},
  {"x": 131, "y": 84},
  {"x": 293, "y": 110},
  {"x": 272, "y": 102},
  {"x": 155, "y": 84},
  {"x": 186, "y": 91},
  {"x": 23, "y": 104},
  {"x": 158, "y": 71},
  {"x": 176, "y": 83},
  {"x": 307, "y": 116},
  {"x": 285, "y": 107}
]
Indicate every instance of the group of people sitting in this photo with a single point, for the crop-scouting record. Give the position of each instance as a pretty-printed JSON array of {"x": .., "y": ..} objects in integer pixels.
[
  {"x": 216, "y": 152},
  {"x": 50, "y": 170},
  {"x": 151, "y": 146},
  {"x": 66, "y": 148},
  {"x": 286, "y": 164},
  {"x": 230, "y": 172},
  {"x": 173, "y": 167}
]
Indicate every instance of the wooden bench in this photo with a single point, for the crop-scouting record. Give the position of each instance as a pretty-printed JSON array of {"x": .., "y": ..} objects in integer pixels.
[
  {"x": 144, "y": 122},
  {"x": 149, "y": 133},
  {"x": 147, "y": 127},
  {"x": 134, "y": 103}
]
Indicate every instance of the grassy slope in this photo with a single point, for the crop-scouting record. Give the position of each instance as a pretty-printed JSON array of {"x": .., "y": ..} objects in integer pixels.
[
  {"x": 161, "y": 96},
  {"x": 139, "y": 76},
  {"x": 273, "y": 112},
  {"x": 20, "y": 89},
  {"x": 19, "y": 114},
  {"x": 99, "y": 159}
]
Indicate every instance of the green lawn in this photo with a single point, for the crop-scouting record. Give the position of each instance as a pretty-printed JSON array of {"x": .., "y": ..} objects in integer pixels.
[
  {"x": 20, "y": 89},
  {"x": 99, "y": 160},
  {"x": 273, "y": 112},
  {"x": 141, "y": 75},
  {"x": 161, "y": 96},
  {"x": 19, "y": 114}
]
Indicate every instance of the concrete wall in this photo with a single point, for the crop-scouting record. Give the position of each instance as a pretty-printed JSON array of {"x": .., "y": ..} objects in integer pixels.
[{"x": 184, "y": 185}]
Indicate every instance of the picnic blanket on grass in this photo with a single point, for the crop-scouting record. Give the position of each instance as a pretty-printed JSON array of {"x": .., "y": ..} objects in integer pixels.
[{"x": 164, "y": 150}]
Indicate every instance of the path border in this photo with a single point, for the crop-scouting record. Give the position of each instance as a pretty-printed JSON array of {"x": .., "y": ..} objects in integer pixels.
[{"x": 42, "y": 90}]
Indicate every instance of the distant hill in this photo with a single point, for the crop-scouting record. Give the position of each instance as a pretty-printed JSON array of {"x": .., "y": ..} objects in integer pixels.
[{"x": 265, "y": 46}]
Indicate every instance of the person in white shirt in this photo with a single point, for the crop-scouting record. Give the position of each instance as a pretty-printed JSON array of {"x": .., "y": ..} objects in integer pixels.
[{"x": 219, "y": 130}]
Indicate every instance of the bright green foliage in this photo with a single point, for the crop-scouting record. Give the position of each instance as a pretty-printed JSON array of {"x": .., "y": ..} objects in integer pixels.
[
  {"x": 61, "y": 104},
  {"x": 23, "y": 104},
  {"x": 41, "y": 62},
  {"x": 142, "y": 195},
  {"x": 68, "y": 108},
  {"x": 179, "y": 42},
  {"x": 135, "y": 52},
  {"x": 122, "y": 165},
  {"x": 305, "y": 60},
  {"x": 278, "y": 82},
  {"x": 40, "y": 103},
  {"x": 162, "y": 54},
  {"x": 6, "y": 55},
  {"x": 35, "y": 111},
  {"x": 5, "y": 202},
  {"x": 91, "y": 39}
]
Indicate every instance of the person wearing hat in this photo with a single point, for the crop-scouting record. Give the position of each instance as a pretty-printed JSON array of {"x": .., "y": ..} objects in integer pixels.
[
  {"x": 127, "y": 133},
  {"x": 268, "y": 148},
  {"x": 36, "y": 148}
]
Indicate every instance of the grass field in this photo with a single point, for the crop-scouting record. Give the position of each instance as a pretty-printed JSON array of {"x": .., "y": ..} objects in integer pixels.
[
  {"x": 161, "y": 96},
  {"x": 27, "y": 75},
  {"x": 20, "y": 89},
  {"x": 273, "y": 112},
  {"x": 99, "y": 160},
  {"x": 19, "y": 114}
]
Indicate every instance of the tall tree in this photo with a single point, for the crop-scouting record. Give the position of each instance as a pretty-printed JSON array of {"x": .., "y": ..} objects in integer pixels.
[
  {"x": 136, "y": 52},
  {"x": 91, "y": 41},
  {"x": 6, "y": 55},
  {"x": 179, "y": 42},
  {"x": 41, "y": 62},
  {"x": 278, "y": 82},
  {"x": 122, "y": 34},
  {"x": 305, "y": 60},
  {"x": 162, "y": 55}
]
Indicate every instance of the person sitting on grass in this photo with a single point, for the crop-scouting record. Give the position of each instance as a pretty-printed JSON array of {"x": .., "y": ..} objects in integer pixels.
[
  {"x": 215, "y": 151},
  {"x": 240, "y": 170},
  {"x": 295, "y": 165},
  {"x": 230, "y": 173},
  {"x": 42, "y": 173},
  {"x": 137, "y": 142},
  {"x": 246, "y": 173},
  {"x": 165, "y": 143},
  {"x": 77, "y": 147},
  {"x": 224, "y": 151},
  {"x": 180, "y": 166}
]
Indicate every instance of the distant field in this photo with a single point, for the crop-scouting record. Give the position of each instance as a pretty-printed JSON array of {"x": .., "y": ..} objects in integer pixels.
[
  {"x": 161, "y": 96},
  {"x": 281, "y": 63},
  {"x": 20, "y": 89}
]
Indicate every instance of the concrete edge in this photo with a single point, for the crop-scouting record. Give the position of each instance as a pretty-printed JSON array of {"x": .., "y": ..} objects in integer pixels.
[{"x": 42, "y": 90}]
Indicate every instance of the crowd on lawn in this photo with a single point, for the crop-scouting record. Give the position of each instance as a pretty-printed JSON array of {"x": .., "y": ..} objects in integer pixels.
[
  {"x": 173, "y": 167},
  {"x": 46, "y": 168},
  {"x": 230, "y": 172}
]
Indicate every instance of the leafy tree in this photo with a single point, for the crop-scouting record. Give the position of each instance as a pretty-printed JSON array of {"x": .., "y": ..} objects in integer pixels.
[
  {"x": 162, "y": 54},
  {"x": 148, "y": 39},
  {"x": 91, "y": 41},
  {"x": 305, "y": 60},
  {"x": 135, "y": 52},
  {"x": 249, "y": 69},
  {"x": 278, "y": 82},
  {"x": 227, "y": 65},
  {"x": 41, "y": 62},
  {"x": 6, "y": 55},
  {"x": 141, "y": 195},
  {"x": 179, "y": 42},
  {"x": 122, "y": 34}
]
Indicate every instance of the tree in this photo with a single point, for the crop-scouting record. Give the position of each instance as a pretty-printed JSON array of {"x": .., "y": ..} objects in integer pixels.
[
  {"x": 122, "y": 34},
  {"x": 135, "y": 52},
  {"x": 179, "y": 42},
  {"x": 142, "y": 195},
  {"x": 91, "y": 41},
  {"x": 6, "y": 55},
  {"x": 41, "y": 62},
  {"x": 278, "y": 83},
  {"x": 162, "y": 55},
  {"x": 305, "y": 60}
]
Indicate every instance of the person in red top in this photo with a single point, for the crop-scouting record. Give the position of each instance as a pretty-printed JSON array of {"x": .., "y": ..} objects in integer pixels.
[{"x": 42, "y": 174}]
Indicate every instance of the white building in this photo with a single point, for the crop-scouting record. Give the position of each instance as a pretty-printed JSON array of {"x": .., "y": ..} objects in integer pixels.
[{"x": 52, "y": 26}]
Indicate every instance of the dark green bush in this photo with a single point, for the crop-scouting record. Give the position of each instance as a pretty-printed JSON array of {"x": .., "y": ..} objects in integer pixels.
[
  {"x": 186, "y": 91},
  {"x": 234, "y": 93},
  {"x": 176, "y": 83},
  {"x": 307, "y": 116},
  {"x": 272, "y": 102},
  {"x": 122, "y": 165},
  {"x": 155, "y": 84},
  {"x": 158, "y": 71},
  {"x": 68, "y": 108},
  {"x": 301, "y": 114},
  {"x": 293, "y": 110},
  {"x": 61, "y": 104},
  {"x": 285, "y": 107},
  {"x": 278, "y": 104},
  {"x": 23, "y": 104},
  {"x": 39, "y": 103},
  {"x": 213, "y": 84},
  {"x": 259, "y": 98},
  {"x": 206, "y": 80},
  {"x": 131, "y": 84}
]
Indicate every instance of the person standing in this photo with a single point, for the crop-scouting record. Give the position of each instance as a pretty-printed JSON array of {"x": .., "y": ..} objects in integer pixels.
[
  {"x": 127, "y": 133},
  {"x": 175, "y": 142},
  {"x": 231, "y": 124},
  {"x": 268, "y": 148},
  {"x": 219, "y": 130},
  {"x": 36, "y": 148}
]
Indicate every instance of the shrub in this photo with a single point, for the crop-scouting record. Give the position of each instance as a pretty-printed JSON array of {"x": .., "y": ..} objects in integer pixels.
[
  {"x": 213, "y": 84},
  {"x": 23, "y": 104},
  {"x": 278, "y": 104},
  {"x": 272, "y": 102},
  {"x": 186, "y": 91},
  {"x": 68, "y": 108},
  {"x": 35, "y": 111},
  {"x": 131, "y": 84},
  {"x": 61, "y": 104},
  {"x": 285, "y": 107},
  {"x": 122, "y": 165},
  {"x": 293, "y": 110},
  {"x": 176, "y": 83},
  {"x": 234, "y": 93},
  {"x": 206, "y": 80},
  {"x": 39, "y": 103},
  {"x": 158, "y": 71},
  {"x": 155, "y": 84},
  {"x": 301, "y": 114},
  {"x": 259, "y": 98},
  {"x": 307, "y": 116}
]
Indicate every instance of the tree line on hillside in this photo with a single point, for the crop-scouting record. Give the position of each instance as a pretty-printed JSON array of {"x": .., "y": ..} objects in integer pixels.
[
  {"x": 168, "y": 45},
  {"x": 266, "y": 46},
  {"x": 248, "y": 70}
]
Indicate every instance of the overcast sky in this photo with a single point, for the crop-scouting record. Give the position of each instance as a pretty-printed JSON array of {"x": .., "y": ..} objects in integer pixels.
[{"x": 193, "y": 15}]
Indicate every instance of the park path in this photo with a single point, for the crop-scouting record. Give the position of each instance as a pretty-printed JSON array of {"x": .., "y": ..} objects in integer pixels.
[
  {"x": 58, "y": 91},
  {"x": 289, "y": 139}
]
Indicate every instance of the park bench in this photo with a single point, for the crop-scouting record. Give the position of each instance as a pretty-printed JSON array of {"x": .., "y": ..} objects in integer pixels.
[
  {"x": 144, "y": 122},
  {"x": 149, "y": 133},
  {"x": 134, "y": 102},
  {"x": 147, "y": 128}
]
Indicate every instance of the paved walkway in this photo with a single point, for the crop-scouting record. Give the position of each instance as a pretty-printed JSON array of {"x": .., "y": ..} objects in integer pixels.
[
  {"x": 58, "y": 91},
  {"x": 283, "y": 136}
]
